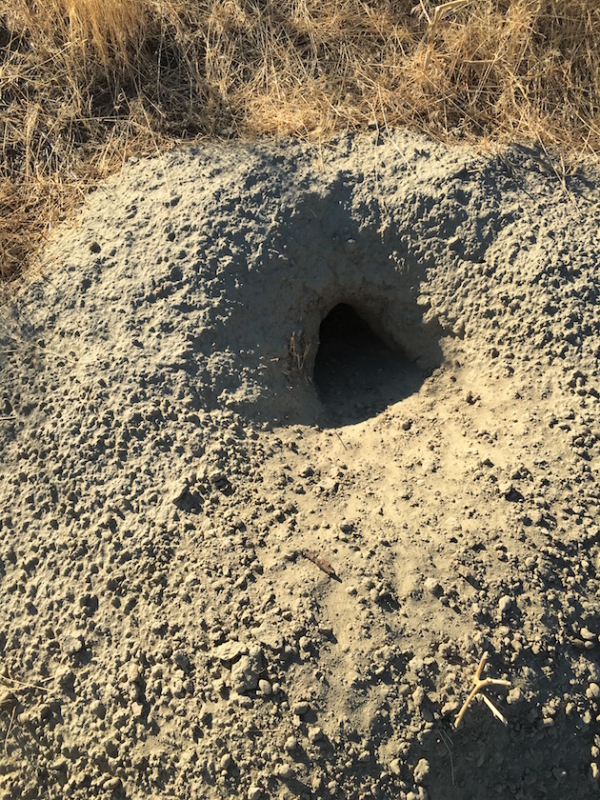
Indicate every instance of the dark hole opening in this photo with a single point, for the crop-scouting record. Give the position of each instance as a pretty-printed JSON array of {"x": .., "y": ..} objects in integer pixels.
[{"x": 356, "y": 374}]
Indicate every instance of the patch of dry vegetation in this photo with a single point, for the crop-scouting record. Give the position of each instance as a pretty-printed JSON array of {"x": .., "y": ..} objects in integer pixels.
[{"x": 84, "y": 84}]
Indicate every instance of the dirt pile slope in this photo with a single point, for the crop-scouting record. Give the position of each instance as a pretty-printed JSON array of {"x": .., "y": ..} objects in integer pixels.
[{"x": 290, "y": 438}]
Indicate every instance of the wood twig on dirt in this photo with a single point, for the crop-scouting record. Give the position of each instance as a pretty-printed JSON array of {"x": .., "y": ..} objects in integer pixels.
[
  {"x": 479, "y": 686},
  {"x": 323, "y": 565}
]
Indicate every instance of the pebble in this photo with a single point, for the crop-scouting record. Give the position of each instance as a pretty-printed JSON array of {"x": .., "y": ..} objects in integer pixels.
[
  {"x": 230, "y": 651},
  {"x": 225, "y": 761},
  {"x": 421, "y": 771},
  {"x": 315, "y": 734},
  {"x": 98, "y": 709},
  {"x": 254, "y": 792},
  {"x": 396, "y": 766},
  {"x": 300, "y": 708},
  {"x": 284, "y": 771},
  {"x": 244, "y": 675},
  {"x": 505, "y": 604},
  {"x": 593, "y": 691},
  {"x": 71, "y": 645},
  {"x": 433, "y": 587}
]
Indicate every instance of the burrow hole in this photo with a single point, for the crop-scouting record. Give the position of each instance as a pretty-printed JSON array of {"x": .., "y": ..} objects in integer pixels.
[{"x": 356, "y": 373}]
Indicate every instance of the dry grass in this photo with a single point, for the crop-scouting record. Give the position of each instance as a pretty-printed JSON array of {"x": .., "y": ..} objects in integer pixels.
[{"x": 86, "y": 83}]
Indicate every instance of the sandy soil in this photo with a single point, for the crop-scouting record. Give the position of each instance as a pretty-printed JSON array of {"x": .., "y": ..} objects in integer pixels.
[{"x": 292, "y": 437}]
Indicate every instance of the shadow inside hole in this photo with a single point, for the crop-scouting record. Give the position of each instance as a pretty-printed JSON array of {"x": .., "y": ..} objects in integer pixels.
[{"x": 356, "y": 374}]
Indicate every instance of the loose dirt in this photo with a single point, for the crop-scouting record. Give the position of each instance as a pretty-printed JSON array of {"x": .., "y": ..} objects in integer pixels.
[{"x": 292, "y": 436}]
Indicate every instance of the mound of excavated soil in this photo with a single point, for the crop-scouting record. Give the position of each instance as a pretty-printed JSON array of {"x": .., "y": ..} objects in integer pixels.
[{"x": 291, "y": 437}]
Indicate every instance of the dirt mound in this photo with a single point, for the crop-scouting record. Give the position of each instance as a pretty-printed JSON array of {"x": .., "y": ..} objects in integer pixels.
[{"x": 291, "y": 438}]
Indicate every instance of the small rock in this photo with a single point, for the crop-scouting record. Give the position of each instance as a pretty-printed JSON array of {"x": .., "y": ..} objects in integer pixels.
[
  {"x": 254, "y": 792},
  {"x": 98, "y": 709},
  {"x": 291, "y": 744},
  {"x": 111, "y": 746},
  {"x": 593, "y": 691},
  {"x": 71, "y": 645},
  {"x": 230, "y": 651},
  {"x": 421, "y": 771},
  {"x": 433, "y": 587},
  {"x": 182, "y": 660},
  {"x": 225, "y": 761},
  {"x": 264, "y": 687},
  {"x": 514, "y": 696},
  {"x": 315, "y": 734},
  {"x": 65, "y": 678},
  {"x": 244, "y": 675},
  {"x": 505, "y": 604},
  {"x": 300, "y": 708},
  {"x": 416, "y": 665},
  {"x": 284, "y": 771},
  {"x": 396, "y": 767}
]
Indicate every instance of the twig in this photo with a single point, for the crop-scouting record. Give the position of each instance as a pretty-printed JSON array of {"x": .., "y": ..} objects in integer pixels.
[
  {"x": 26, "y": 685},
  {"x": 323, "y": 565},
  {"x": 444, "y": 739},
  {"x": 10, "y": 725},
  {"x": 479, "y": 685},
  {"x": 341, "y": 440}
]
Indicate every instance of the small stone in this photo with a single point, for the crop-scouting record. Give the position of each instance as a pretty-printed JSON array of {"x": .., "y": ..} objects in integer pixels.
[
  {"x": 416, "y": 665},
  {"x": 98, "y": 709},
  {"x": 133, "y": 672},
  {"x": 421, "y": 771},
  {"x": 65, "y": 678},
  {"x": 315, "y": 734},
  {"x": 433, "y": 587},
  {"x": 254, "y": 792},
  {"x": 587, "y": 634},
  {"x": 396, "y": 767},
  {"x": 364, "y": 757},
  {"x": 182, "y": 660},
  {"x": 300, "y": 708},
  {"x": 225, "y": 761},
  {"x": 514, "y": 696},
  {"x": 112, "y": 784},
  {"x": 291, "y": 744},
  {"x": 284, "y": 771},
  {"x": 244, "y": 675},
  {"x": 505, "y": 604},
  {"x": 593, "y": 691},
  {"x": 111, "y": 746},
  {"x": 594, "y": 771},
  {"x": 71, "y": 645},
  {"x": 230, "y": 651},
  {"x": 264, "y": 687}
]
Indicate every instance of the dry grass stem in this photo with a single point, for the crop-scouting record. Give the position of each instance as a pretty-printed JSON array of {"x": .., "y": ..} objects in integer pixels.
[
  {"x": 481, "y": 684},
  {"x": 85, "y": 85}
]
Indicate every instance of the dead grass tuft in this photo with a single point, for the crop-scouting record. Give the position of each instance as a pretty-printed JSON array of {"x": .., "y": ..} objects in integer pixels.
[{"x": 86, "y": 83}]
